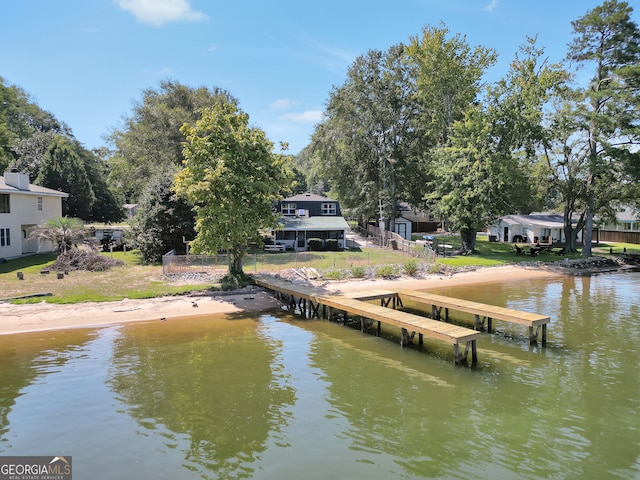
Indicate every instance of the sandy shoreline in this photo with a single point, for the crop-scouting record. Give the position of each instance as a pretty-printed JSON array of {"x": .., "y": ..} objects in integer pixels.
[{"x": 45, "y": 316}]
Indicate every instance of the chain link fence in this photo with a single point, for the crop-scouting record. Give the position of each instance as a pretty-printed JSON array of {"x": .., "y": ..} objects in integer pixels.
[{"x": 173, "y": 264}]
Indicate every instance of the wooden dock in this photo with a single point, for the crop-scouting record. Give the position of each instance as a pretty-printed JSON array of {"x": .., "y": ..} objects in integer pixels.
[
  {"x": 309, "y": 300},
  {"x": 408, "y": 322},
  {"x": 482, "y": 312}
]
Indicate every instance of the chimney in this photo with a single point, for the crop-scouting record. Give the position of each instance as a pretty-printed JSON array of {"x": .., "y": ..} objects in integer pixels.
[{"x": 16, "y": 179}]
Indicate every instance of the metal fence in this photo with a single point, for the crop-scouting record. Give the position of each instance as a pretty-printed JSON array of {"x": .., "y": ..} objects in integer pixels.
[
  {"x": 269, "y": 262},
  {"x": 392, "y": 240}
]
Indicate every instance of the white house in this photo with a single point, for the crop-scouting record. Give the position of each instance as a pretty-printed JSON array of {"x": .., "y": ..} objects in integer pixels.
[
  {"x": 627, "y": 220},
  {"x": 533, "y": 228},
  {"x": 22, "y": 207}
]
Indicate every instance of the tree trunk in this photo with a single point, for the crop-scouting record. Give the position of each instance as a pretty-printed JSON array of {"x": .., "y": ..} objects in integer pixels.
[
  {"x": 468, "y": 238},
  {"x": 569, "y": 233},
  {"x": 234, "y": 258},
  {"x": 587, "y": 232}
]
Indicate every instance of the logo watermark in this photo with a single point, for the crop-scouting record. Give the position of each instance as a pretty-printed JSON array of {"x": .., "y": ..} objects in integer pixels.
[{"x": 35, "y": 468}]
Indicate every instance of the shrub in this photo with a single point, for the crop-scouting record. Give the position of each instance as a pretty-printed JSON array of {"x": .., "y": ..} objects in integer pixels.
[
  {"x": 235, "y": 281},
  {"x": 315, "y": 244},
  {"x": 332, "y": 245},
  {"x": 358, "y": 271},
  {"x": 385, "y": 271},
  {"x": 411, "y": 266},
  {"x": 334, "y": 275}
]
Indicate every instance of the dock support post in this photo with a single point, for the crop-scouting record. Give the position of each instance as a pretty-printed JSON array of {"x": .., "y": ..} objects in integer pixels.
[
  {"x": 379, "y": 327},
  {"x": 420, "y": 339},
  {"x": 544, "y": 335},
  {"x": 406, "y": 338},
  {"x": 459, "y": 357}
]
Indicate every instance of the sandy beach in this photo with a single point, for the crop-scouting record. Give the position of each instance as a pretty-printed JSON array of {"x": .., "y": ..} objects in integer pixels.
[{"x": 46, "y": 316}]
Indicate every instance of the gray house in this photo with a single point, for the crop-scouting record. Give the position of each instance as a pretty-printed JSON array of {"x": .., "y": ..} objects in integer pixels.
[{"x": 306, "y": 216}]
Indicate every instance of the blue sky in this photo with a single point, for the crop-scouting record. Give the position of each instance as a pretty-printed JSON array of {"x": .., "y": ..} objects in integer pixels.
[{"x": 87, "y": 61}]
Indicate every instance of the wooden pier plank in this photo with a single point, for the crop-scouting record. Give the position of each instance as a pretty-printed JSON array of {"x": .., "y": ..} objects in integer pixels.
[
  {"x": 475, "y": 308},
  {"x": 431, "y": 328},
  {"x": 354, "y": 303}
]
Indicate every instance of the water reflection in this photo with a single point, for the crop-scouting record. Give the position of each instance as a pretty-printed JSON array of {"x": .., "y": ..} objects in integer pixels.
[
  {"x": 277, "y": 396},
  {"x": 27, "y": 359},
  {"x": 214, "y": 389}
]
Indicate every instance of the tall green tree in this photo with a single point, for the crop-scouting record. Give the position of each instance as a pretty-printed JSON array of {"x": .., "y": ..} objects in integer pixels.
[
  {"x": 62, "y": 169},
  {"x": 606, "y": 43},
  {"x": 370, "y": 134},
  {"x": 449, "y": 79},
  {"x": 150, "y": 141},
  {"x": 485, "y": 169},
  {"x": 20, "y": 118},
  {"x": 107, "y": 206},
  {"x": 232, "y": 178},
  {"x": 163, "y": 220}
]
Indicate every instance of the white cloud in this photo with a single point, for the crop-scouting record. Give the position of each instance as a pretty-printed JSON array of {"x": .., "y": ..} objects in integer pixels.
[
  {"x": 283, "y": 104},
  {"x": 159, "y": 12},
  {"x": 492, "y": 6},
  {"x": 308, "y": 116}
]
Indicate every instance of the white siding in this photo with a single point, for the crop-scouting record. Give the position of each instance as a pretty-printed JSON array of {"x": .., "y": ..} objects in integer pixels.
[{"x": 24, "y": 213}]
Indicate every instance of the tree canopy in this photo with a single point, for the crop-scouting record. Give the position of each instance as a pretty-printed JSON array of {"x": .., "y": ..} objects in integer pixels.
[
  {"x": 606, "y": 43},
  {"x": 232, "y": 178},
  {"x": 150, "y": 141}
]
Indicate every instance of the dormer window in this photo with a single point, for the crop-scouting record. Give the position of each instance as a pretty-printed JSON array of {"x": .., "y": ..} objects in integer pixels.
[
  {"x": 288, "y": 209},
  {"x": 328, "y": 209}
]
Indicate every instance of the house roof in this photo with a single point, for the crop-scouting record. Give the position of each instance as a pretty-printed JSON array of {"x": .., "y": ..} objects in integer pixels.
[
  {"x": 33, "y": 190},
  {"x": 309, "y": 197},
  {"x": 627, "y": 215},
  {"x": 314, "y": 223},
  {"x": 413, "y": 217},
  {"x": 539, "y": 220}
]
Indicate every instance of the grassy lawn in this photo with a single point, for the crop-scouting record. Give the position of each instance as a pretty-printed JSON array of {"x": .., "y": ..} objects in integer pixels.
[
  {"x": 136, "y": 280},
  {"x": 133, "y": 280}
]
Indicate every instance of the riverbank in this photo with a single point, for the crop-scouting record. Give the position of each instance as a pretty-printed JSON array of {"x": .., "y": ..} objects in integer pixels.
[{"x": 44, "y": 316}]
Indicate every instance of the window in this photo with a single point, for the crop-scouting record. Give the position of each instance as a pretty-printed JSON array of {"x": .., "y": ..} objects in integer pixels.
[
  {"x": 39, "y": 204},
  {"x": 288, "y": 208},
  {"x": 5, "y": 237},
  {"x": 328, "y": 209},
  {"x": 4, "y": 203}
]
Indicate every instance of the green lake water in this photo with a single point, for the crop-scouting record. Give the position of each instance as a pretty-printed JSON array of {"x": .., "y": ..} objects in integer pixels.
[{"x": 275, "y": 396}]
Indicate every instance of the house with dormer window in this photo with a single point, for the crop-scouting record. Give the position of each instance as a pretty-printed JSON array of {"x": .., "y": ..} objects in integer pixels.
[
  {"x": 22, "y": 207},
  {"x": 306, "y": 216}
]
